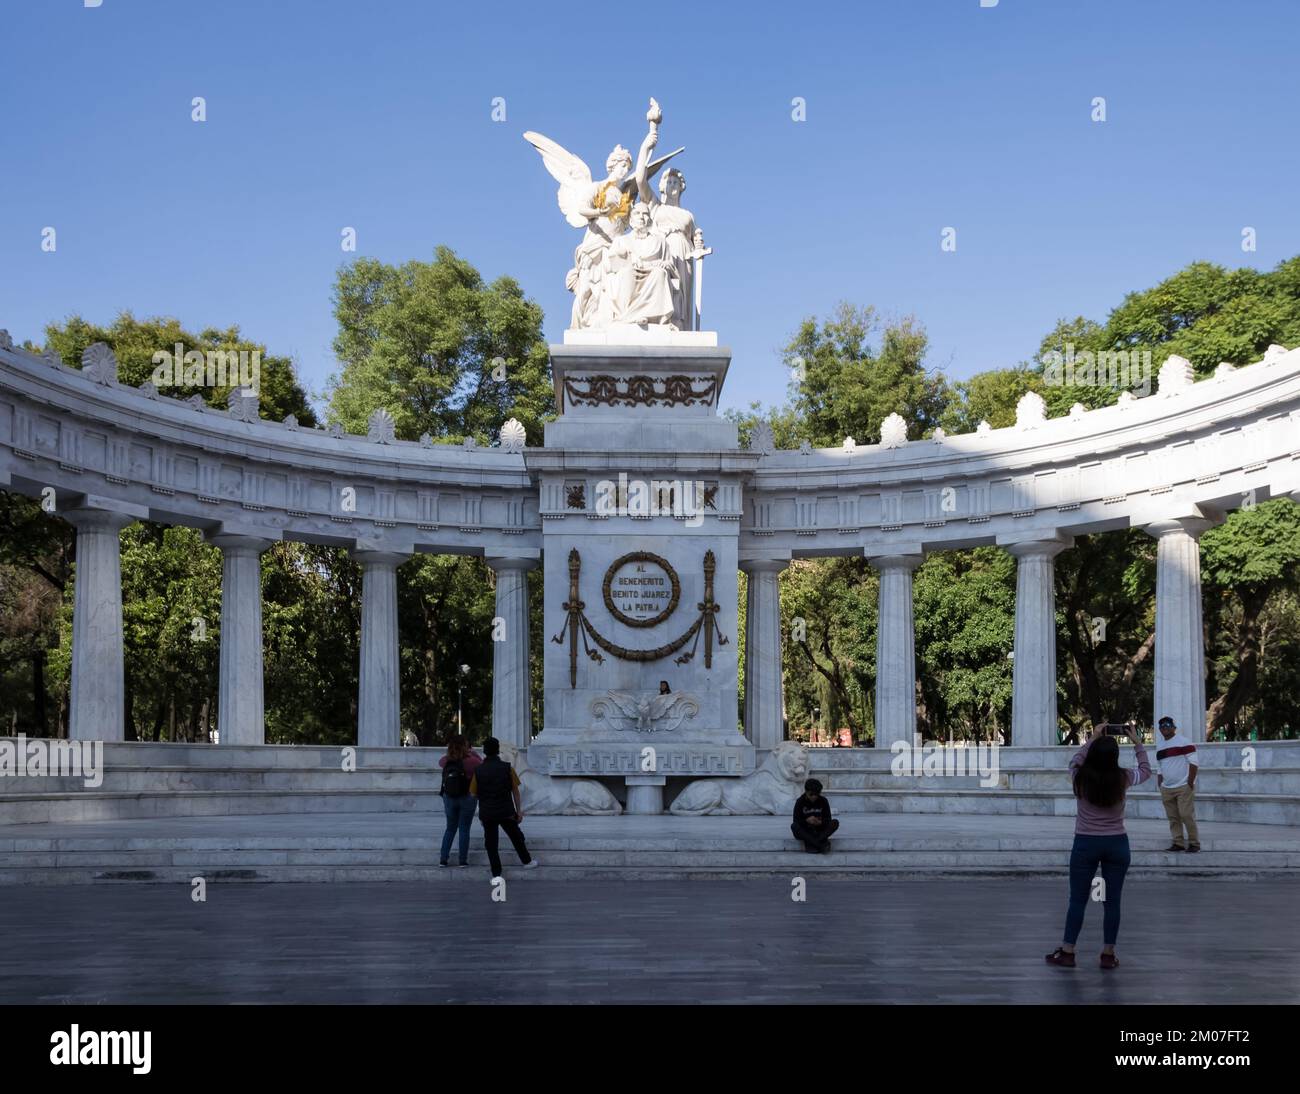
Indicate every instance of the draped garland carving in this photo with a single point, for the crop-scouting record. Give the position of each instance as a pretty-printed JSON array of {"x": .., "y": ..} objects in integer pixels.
[{"x": 578, "y": 627}]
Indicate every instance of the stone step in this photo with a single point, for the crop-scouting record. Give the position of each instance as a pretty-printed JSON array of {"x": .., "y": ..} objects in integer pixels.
[
  {"x": 94, "y": 805},
  {"x": 138, "y": 780},
  {"x": 1273, "y": 781},
  {"x": 98, "y": 805},
  {"x": 754, "y": 858},
  {"x": 807, "y": 866},
  {"x": 1252, "y": 808}
]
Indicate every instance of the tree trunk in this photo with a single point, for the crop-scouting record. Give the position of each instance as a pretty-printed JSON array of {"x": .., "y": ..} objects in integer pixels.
[
  {"x": 1226, "y": 707},
  {"x": 38, "y": 690}
]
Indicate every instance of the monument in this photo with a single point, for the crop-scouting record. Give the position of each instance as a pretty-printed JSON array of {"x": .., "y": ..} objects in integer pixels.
[{"x": 640, "y": 496}]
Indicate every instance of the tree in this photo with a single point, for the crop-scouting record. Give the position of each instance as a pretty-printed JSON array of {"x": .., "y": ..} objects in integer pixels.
[
  {"x": 1252, "y": 559},
  {"x": 451, "y": 356},
  {"x": 843, "y": 385},
  {"x": 440, "y": 350}
]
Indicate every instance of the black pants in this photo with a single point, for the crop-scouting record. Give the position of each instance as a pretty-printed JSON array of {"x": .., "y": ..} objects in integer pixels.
[
  {"x": 815, "y": 838},
  {"x": 511, "y": 827}
]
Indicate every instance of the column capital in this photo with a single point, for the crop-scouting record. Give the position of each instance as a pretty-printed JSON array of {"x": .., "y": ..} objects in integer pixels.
[
  {"x": 1194, "y": 526},
  {"x": 1038, "y": 548},
  {"x": 370, "y": 557},
  {"x": 498, "y": 563},
  {"x": 236, "y": 542},
  {"x": 908, "y": 561},
  {"x": 89, "y": 519},
  {"x": 763, "y": 565}
]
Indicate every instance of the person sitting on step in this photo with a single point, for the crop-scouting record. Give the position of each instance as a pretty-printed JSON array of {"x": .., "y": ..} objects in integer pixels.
[{"x": 812, "y": 819}]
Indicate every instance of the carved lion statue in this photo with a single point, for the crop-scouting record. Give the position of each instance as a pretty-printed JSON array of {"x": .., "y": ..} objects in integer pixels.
[
  {"x": 770, "y": 789},
  {"x": 545, "y": 796}
]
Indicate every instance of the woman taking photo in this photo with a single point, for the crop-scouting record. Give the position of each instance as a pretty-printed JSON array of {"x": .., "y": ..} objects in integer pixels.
[
  {"x": 458, "y": 766},
  {"x": 1100, "y": 786}
]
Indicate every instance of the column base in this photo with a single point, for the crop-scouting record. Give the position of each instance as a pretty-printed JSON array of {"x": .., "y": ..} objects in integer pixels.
[{"x": 645, "y": 794}]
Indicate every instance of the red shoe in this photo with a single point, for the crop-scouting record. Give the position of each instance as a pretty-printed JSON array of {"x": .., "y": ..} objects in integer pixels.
[
  {"x": 1109, "y": 961},
  {"x": 1059, "y": 957}
]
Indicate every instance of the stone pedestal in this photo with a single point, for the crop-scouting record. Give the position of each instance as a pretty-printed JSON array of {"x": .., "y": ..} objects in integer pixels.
[
  {"x": 511, "y": 712},
  {"x": 1033, "y": 674},
  {"x": 98, "y": 694},
  {"x": 379, "y": 698},
  {"x": 645, "y": 794},
  {"x": 896, "y": 650},
  {"x": 640, "y": 504},
  {"x": 240, "y": 711},
  {"x": 1180, "y": 634},
  {"x": 764, "y": 706}
]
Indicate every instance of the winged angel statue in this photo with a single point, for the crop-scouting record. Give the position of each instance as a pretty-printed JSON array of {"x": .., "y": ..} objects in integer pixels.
[{"x": 634, "y": 263}]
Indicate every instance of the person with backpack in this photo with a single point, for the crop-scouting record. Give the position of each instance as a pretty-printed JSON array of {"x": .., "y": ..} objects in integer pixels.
[
  {"x": 1101, "y": 787},
  {"x": 496, "y": 785},
  {"x": 458, "y": 764}
]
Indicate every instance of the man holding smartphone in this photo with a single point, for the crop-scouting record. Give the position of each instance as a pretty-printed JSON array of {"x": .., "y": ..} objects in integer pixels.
[{"x": 1176, "y": 757}]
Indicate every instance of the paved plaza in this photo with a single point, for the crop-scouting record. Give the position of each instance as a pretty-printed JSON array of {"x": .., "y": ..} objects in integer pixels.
[{"x": 940, "y": 941}]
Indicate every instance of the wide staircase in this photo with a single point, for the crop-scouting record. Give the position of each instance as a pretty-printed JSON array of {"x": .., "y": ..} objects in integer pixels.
[
  {"x": 1252, "y": 782},
  {"x": 169, "y": 813}
]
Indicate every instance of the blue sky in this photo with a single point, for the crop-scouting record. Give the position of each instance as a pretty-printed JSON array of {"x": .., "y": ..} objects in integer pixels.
[{"x": 377, "y": 115}]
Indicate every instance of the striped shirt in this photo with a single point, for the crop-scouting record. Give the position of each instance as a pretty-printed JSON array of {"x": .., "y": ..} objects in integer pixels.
[{"x": 1175, "y": 757}]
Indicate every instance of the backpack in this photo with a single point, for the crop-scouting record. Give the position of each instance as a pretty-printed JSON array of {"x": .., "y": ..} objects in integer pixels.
[{"x": 455, "y": 783}]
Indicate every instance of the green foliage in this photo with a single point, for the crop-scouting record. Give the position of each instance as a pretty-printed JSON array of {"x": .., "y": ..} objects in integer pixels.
[
  {"x": 420, "y": 340},
  {"x": 964, "y": 605},
  {"x": 135, "y": 341},
  {"x": 856, "y": 373}
]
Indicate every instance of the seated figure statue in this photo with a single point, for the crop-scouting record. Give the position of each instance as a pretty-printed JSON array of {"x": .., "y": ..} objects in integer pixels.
[{"x": 645, "y": 275}]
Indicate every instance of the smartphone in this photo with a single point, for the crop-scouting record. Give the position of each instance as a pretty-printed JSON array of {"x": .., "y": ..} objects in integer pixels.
[{"x": 1117, "y": 729}]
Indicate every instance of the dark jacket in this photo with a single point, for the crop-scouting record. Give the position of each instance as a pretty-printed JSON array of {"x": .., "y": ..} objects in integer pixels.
[
  {"x": 493, "y": 782},
  {"x": 803, "y": 809}
]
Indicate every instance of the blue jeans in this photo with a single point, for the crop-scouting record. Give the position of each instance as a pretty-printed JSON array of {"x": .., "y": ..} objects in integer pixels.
[
  {"x": 460, "y": 813},
  {"x": 1111, "y": 853}
]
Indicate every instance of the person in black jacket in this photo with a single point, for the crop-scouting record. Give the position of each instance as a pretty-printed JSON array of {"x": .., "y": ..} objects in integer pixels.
[
  {"x": 812, "y": 819},
  {"x": 496, "y": 786}
]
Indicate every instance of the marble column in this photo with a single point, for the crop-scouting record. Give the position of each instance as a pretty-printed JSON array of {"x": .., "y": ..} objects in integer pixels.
[
  {"x": 98, "y": 691},
  {"x": 379, "y": 698},
  {"x": 1180, "y": 632},
  {"x": 895, "y": 650},
  {"x": 1033, "y": 673},
  {"x": 764, "y": 724},
  {"x": 511, "y": 711},
  {"x": 240, "y": 713}
]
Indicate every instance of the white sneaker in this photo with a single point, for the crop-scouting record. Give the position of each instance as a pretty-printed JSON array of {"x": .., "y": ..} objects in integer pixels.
[{"x": 532, "y": 864}]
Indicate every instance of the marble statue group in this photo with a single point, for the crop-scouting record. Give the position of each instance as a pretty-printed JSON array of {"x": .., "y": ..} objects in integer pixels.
[{"x": 639, "y": 262}]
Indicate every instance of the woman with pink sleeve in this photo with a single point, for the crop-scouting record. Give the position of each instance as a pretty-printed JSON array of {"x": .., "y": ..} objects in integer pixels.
[{"x": 1100, "y": 787}]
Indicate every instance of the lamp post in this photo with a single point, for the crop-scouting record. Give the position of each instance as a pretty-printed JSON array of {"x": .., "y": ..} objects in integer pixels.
[{"x": 460, "y": 695}]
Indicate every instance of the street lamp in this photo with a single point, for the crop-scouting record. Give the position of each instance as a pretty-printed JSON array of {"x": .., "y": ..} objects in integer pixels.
[{"x": 460, "y": 694}]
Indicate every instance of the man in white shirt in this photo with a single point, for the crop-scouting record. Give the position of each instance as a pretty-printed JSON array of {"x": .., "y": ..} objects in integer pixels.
[{"x": 1176, "y": 756}]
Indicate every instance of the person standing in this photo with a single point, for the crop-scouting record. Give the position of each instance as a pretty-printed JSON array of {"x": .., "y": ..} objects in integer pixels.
[
  {"x": 458, "y": 766},
  {"x": 1176, "y": 757},
  {"x": 496, "y": 786},
  {"x": 1101, "y": 786}
]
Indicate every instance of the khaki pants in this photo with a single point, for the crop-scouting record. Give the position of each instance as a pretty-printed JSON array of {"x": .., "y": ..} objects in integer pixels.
[{"x": 1180, "y": 808}]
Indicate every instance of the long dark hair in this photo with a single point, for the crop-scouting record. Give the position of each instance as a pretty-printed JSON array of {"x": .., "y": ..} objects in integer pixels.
[
  {"x": 1100, "y": 780},
  {"x": 457, "y": 747}
]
